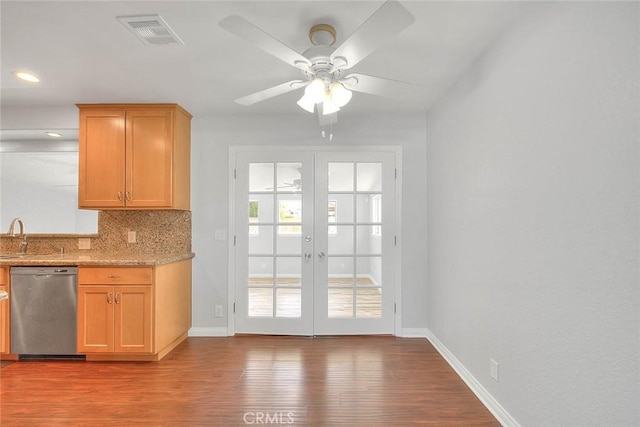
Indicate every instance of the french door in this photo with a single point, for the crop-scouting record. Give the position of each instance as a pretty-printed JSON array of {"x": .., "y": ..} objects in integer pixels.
[{"x": 314, "y": 242}]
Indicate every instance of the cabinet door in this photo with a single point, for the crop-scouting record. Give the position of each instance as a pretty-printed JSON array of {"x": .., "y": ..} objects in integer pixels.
[
  {"x": 95, "y": 319},
  {"x": 102, "y": 159},
  {"x": 4, "y": 323},
  {"x": 132, "y": 319},
  {"x": 149, "y": 158}
]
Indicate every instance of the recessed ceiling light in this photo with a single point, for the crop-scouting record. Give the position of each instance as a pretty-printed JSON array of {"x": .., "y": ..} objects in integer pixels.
[
  {"x": 54, "y": 134},
  {"x": 26, "y": 76}
]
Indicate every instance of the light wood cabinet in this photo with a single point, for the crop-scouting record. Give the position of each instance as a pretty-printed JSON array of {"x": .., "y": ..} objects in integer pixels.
[
  {"x": 114, "y": 318},
  {"x": 133, "y": 313},
  {"x": 4, "y": 313},
  {"x": 134, "y": 156}
]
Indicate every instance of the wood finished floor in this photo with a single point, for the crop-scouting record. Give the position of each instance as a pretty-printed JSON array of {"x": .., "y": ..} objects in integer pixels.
[{"x": 327, "y": 381}]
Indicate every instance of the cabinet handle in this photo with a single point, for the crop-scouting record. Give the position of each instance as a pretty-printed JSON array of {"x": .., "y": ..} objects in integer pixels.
[
  {"x": 109, "y": 298},
  {"x": 120, "y": 195},
  {"x": 127, "y": 196},
  {"x": 117, "y": 297},
  {"x": 113, "y": 276}
]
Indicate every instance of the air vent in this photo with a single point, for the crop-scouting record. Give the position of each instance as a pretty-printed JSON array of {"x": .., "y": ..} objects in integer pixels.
[{"x": 150, "y": 29}]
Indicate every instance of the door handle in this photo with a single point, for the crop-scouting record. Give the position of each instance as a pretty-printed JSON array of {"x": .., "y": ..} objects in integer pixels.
[{"x": 321, "y": 255}]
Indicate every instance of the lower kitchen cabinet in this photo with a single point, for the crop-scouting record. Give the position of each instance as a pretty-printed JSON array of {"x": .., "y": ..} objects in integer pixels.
[
  {"x": 133, "y": 313},
  {"x": 4, "y": 313},
  {"x": 114, "y": 319}
]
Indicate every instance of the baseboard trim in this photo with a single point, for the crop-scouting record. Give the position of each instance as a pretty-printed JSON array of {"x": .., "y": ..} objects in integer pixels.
[
  {"x": 208, "y": 332},
  {"x": 414, "y": 332},
  {"x": 485, "y": 397}
]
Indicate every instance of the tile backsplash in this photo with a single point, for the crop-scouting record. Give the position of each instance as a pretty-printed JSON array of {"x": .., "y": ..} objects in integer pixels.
[{"x": 161, "y": 232}]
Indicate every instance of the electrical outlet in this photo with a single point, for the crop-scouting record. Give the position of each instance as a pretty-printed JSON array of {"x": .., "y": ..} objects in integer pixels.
[
  {"x": 84, "y": 243},
  {"x": 220, "y": 234},
  {"x": 218, "y": 312},
  {"x": 131, "y": 236},
  {"x": 493, "y": 369}
]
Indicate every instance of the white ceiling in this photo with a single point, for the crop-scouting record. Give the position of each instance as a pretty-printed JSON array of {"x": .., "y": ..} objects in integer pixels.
[{"x": 84, "y": 55}]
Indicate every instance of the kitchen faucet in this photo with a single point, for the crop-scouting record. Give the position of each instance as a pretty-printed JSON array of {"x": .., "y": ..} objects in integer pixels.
[{"x": 12, "y": 233}]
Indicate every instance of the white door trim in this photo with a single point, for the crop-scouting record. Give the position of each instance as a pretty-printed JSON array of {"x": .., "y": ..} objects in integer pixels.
[{"x": 231, "y": 267}]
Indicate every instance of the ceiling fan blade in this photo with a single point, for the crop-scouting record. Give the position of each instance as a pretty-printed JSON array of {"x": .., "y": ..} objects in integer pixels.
[
  {"x": 386, "y": 22},
  {"x": 271, "y": 92},
  {"x": 378, "y": 85},
  {"x": 244, "y": 29}
]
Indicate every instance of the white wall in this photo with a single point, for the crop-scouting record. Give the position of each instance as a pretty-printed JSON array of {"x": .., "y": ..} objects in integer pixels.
[
  {"x": 533, "y": 217},
  {"x": 211, "y": 139}
]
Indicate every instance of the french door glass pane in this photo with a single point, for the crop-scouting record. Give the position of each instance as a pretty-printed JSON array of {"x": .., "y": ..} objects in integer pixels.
[
  {"x": 261, "y": 208},
  {"x": 369, "y": 177},
  {"x": 261, "y": 177},
  {"x": 340, "y": 302},
  {"x": 288, "y": 244},
  {"x": 260, "y": 270},
  {"x": 288, "y": 302},
  {"x": 261, "y": 242},
  {"x": 290, "y": 213},
  {"x": 340, "y": 271},
  {"x": 369, "y": 271},
  {"x": 340, "y": 176},
  {"x": 260, "y": 302},
  {"x": 288, "y": 271},
  {"x": 289, "y": 177},
  {"x": 368, "y": 303},
  {"x": 340, "y": 208},
  {"x": 341, "y": 243},
  {"x": 369, "y": 207},
  {"x": 368, "y": 243}
]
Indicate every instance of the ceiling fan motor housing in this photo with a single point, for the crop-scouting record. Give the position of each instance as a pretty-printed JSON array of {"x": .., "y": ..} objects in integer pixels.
[{"x": 321, "y": 64}]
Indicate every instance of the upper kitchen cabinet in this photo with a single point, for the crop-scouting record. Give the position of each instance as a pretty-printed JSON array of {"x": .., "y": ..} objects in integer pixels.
[{"x": 134, "y": 156}]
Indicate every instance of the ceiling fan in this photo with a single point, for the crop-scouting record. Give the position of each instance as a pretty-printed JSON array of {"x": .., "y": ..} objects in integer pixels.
[
  {"x": 295, "y": 185},
  {"x": 327, "y": 86}
]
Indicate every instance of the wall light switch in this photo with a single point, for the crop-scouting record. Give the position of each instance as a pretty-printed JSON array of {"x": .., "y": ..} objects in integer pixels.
[
  {"x": 131, "y": 236},
  {"x": 218, "y": 312},
  {"x": 84, "y": 243}
]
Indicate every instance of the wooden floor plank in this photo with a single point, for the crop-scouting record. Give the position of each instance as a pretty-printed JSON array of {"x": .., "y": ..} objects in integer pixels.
[{"x": 351, "y": 381}]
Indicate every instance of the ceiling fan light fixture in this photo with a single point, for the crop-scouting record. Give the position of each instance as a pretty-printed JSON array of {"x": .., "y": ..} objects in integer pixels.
[
  {"x": 306, "y": 103},
  {"x": 329, "y": 107},
  {"x": 340, "y": 95},
  {"x": 315, "y": 91}
]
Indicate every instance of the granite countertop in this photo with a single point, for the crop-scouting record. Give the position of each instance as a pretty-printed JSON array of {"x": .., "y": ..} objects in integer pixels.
[{"x": 95, "y": 259}]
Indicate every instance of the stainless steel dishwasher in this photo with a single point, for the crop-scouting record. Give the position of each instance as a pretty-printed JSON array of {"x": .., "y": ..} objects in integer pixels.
[{"x": 43, "y": 311}]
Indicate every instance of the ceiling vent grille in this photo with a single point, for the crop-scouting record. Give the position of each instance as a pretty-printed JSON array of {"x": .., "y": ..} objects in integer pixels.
[{"x": 151, "y": 30}]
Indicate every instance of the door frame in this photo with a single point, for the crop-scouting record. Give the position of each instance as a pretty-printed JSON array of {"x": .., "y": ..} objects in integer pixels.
[{"x": 231, "y": 266}]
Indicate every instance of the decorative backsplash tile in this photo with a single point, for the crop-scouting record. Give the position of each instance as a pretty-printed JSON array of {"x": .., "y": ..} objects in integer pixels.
[{"x": 160, "y": 232}]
